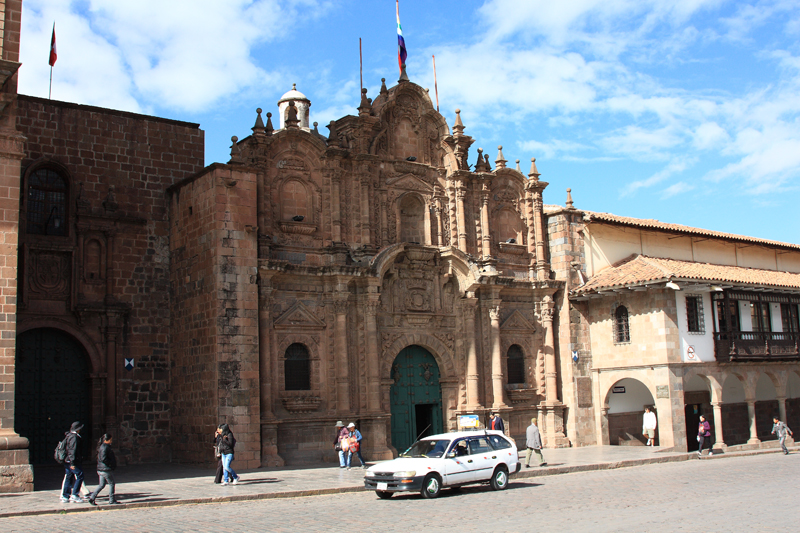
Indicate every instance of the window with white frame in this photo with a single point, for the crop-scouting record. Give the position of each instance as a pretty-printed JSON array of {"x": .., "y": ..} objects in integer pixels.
[{"x": 694, "y": 314}]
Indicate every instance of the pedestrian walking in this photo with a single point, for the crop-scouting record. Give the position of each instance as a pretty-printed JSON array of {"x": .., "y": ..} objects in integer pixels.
[
  {"x": 533, "y": 441},
  {"x": 218, "y": 456},
  {"x": 649, "y": 424},
  {"x": 496, "y": 423},
  {"x": 703, "y": 436},
  {"x": 227, "y": 442},
  {"x": 780, "y": 429},
  {"x": 354, "y": 445},
  {"x": 338, "y": 444},
  {"x": 73, "y": 465},
  {"x": 106, "y": 464}
]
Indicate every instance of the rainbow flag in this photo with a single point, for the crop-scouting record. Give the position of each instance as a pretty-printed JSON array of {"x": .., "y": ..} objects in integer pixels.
[{"x": 401, "y": 43}]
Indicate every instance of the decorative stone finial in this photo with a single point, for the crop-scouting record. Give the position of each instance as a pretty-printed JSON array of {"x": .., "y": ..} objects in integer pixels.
[
  {"x": 479, "y": 163},
  {"x": 269, "y": 129},
  {"x": 403, "y": 74},
  {"x": 458, "y": 127},
  {"x": 365, "y": 107},
  {"x": 534, "y": 173},
  {"x": 236, "y": 153},
  {"x": 486, "y": 165},
  {"x": 294, "y": 86},
  {"x": 500, "y": 162},
  {"x": 384, "y": 90},
  {"x": 259, "y": 125},
  {"x": 569, "y": 199},
  {"x": 518, "y": 169},
  {"x": 333, "y": 138},
  {"x": 315, "y": 127}
]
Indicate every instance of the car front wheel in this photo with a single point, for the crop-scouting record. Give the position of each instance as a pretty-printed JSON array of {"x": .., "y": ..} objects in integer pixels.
[
  {"x": 383, "y": 494},
  {"x": 499, "y": 479},
  {"x": 431, "y": 486}
]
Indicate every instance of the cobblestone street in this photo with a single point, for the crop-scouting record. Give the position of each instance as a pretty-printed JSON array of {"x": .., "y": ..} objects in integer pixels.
[{"x": 756, "y": 493}]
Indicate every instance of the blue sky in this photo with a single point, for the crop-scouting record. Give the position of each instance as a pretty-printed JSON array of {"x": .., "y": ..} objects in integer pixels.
[{"x": 686, "y": 111}]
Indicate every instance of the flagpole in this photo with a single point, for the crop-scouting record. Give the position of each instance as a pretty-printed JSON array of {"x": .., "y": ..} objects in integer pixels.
[
  {"x": 435, "y": 85},
  {"x": 50, "y": 92},
  {"x": 360, "y": 64}
]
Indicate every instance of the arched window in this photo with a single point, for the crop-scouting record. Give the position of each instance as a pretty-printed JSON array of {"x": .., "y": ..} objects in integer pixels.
[
  {"x": 622, "y": 332},
  {"x": 47, "y": 203},
  {"x": 516, "y": 365},
  {"x": 296, "y": 203},
  {"x": 297, "y": 368},
  {"x": 508, "y": 225}
]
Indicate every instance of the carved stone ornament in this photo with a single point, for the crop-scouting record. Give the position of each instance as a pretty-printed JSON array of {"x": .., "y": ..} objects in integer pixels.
[
  {"x": 298, "y": 316},
  {"x": 306, "y": 403},
  {"x": 298, "y": 227},
  {"x": 494, "y": 312},
  {"x": 50, "y": 274},
  {"x": 547, "y": 309}
]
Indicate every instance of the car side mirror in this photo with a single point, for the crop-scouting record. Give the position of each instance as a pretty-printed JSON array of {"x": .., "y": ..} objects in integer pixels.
[{"x": 451, "y": 455}]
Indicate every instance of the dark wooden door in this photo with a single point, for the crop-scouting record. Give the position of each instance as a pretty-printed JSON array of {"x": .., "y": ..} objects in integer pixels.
[{"x": 52, "y": 390}]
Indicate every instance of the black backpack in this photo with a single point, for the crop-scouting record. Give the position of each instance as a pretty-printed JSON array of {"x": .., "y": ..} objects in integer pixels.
[{"x": 60, "y": 454}]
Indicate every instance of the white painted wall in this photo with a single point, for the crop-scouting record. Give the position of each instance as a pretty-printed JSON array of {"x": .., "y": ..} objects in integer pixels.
[
  {"x": 703, "y": 344},
  {"x": 635, "y": 397},
  {"x": 732, "y": 390},
  {"x": 745, "y": 318},
  {"x": 696, "y": 384},
  {"x": 765, "y": 390},
  {"x": 793, "y": 386}
]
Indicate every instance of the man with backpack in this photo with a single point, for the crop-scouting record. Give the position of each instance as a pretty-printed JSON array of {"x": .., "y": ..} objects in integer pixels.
[{"x": 73, "y": 461}]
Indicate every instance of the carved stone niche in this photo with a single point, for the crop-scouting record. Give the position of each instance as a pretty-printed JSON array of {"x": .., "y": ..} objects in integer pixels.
[
  {"x": 511, "y": 248},
  {"x": 419, "y": 253},
  {"x": 298, "y": 227},
  {"x": 299, "y": 402}
]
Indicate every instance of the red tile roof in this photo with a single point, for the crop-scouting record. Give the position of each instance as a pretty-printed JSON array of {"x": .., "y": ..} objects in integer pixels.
[
  {"x": 642, "y": 270},
  {"x": 590, "y": 216}
]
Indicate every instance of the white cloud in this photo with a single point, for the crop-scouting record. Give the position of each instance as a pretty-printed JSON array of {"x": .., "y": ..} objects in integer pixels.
[
  {"x": 552, "y": 149},
  {"x": 672, "y": 168},
  {"x": 710, "y": 135},
  {"x": 676, "y": 189}
]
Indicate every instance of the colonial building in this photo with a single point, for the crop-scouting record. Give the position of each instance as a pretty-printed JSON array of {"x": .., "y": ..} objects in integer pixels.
[{"x": 385, "y": 273}]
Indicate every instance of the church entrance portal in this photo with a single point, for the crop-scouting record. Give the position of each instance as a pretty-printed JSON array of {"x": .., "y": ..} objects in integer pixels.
[
  {"x": 52, "y": 390},
  {"x": 416, "y": 397}
]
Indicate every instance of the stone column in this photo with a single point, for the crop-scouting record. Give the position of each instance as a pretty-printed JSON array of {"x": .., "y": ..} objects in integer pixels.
[
  {"x": 468, "y": 305},
  {"x": 497, "y": 355},
  {"x": 373, "y": 356},
  {"x": 384, "y": 217},
  {"x": 604, "y": 436},
  {"x": 531, "y": 234},
  {"x": 461, "y": 193},
  {"x": 365, "y": 225},
  {"x": 551, "y": 384},
  {"x": 439, "y": 223},
  {"x": 269, "y": 424},
  {"x": 486, "y": 237},
  {"x": 336, "y": 218},
  {"x": 113, "y": 330},
  {"x": 340, "y": 306},
  {"x": 782, "y": 408},
  {"x": 719, "y": 442},
  {"x": 751, "y": 415}
]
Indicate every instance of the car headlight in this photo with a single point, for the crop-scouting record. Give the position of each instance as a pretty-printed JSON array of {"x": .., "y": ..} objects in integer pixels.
[{"x": 407, "y": 473}]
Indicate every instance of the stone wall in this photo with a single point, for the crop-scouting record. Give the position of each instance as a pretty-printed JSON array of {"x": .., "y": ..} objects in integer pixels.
[
  {"x": 215, "y": 361},
  {"x": 117, "y": 166}
]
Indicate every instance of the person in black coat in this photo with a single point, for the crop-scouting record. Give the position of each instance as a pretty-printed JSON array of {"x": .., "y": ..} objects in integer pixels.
[
  {"x": 226, "y": 443},
  {"x": 496, "y": 423},
  {"x": 106, "y": 464},
  {"x": 73, "y": 465}
]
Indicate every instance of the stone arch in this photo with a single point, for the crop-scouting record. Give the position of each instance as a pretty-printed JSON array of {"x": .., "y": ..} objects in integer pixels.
[
  {"x": 49, "y": 209},
  {"x": 624, "y": 419},
  {"x": 96, "y": 359},
  {"x": 311, "y": 342},
  {"x": 440, "y": 352},
  {"x": 295, "y": 199},
  {"x": 411, "y": 218},
  {"x": 710, "y": 379},
  {"x": 766, "y": 405}
]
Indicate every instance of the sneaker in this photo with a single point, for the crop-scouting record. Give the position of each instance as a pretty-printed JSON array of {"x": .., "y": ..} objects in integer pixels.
[
  {"x": 225, "y": 483},
  {"x": 543, "y": 464},
  {"x": 91, "y": 501},
  {"x": 64, "y": 500},
  {"x": 527, "y": 466},
  {"x": 348, "y": 468},
  {"x": 115, "y": 502},
  {"x": 236, "y": 481},
  {"x": 75, "y": 499}
]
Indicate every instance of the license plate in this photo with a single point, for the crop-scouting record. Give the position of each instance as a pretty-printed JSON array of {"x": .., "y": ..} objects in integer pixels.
[{"x": 383, "y": 486}]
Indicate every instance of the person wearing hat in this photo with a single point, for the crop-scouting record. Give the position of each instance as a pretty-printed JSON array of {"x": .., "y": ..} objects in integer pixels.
[
  {"x": 73, "y": 471},
  {"x": 341, "y": 434},
  {"x": 496, "y": 423},
  {"x": 355, "y": 445}
]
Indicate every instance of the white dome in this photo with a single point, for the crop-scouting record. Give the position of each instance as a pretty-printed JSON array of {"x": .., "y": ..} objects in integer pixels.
[{"x": 294, "y": 94}]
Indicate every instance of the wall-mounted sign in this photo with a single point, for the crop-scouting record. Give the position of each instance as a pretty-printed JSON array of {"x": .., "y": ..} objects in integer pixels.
[
  {"x": 468, "y": 421},
  {"x": 662, "y": 391},
  {"x": 619, "y": 390},
  {"x": 690, "y": 353},
  {"x": 129, "y": 363},
  {"x": 575, "y": 355}
]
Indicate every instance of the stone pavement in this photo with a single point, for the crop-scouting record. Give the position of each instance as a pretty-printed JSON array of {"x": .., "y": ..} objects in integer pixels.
[{"x": 172, "y": 484}]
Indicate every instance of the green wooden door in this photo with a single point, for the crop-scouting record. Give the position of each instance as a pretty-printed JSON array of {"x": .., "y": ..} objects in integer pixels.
[
  {"x": 52, "y": 390},
  {"x": 416, "y": 397}
]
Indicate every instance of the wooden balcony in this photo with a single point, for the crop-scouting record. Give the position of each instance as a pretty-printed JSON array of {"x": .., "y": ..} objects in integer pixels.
[{"x": 756, "y": 346}]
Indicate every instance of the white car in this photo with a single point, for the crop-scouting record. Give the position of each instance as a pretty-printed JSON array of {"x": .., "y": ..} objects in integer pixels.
[{"x": 447, "y": 460}]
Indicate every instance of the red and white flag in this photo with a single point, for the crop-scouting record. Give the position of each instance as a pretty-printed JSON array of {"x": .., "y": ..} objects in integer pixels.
[{"x": 53, "y": 54}]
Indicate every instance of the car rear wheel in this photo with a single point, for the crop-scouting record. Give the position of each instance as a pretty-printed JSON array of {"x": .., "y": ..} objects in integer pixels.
[
  {"x": 431, "y": 486},
  {"x": 383, "y": 494},
  {"x": 499, "y": 479}
]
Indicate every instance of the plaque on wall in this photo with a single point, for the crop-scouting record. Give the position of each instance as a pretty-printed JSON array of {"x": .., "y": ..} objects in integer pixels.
[
  {"x": 584, "y": 385},
  {"x": 662, "y": 391}
]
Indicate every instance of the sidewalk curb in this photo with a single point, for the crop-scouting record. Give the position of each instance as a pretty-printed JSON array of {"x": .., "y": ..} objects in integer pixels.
[{"x": 523, "y": 474}]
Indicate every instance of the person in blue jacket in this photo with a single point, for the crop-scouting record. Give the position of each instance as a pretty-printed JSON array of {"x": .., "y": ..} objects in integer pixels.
[{"x": 355, "y": 445}]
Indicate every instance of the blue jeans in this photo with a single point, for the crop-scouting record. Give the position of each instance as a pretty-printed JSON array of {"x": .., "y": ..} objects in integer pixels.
[
  {"x": 73, "y": 479},
  {"x": 342, "y": 456},
  {"x": 106, "y": 478},
  {"x": 350, "y": 457},
  {"x": 227, "y": 472}
]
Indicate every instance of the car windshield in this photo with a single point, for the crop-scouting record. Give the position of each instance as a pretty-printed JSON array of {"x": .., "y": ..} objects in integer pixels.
[{"x": 426, "y": 448}]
